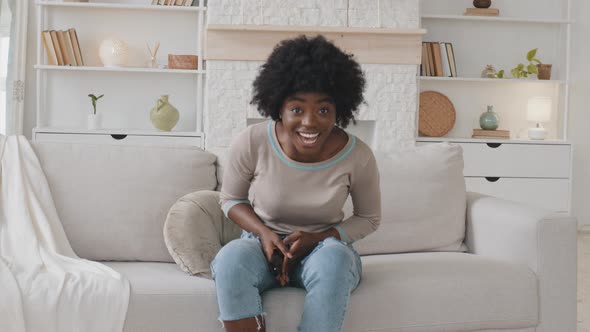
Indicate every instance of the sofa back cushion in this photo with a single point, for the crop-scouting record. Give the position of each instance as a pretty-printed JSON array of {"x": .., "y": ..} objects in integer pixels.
[
  {"x": 113, "y": 199},
  {"x": 423, "y": 201}
]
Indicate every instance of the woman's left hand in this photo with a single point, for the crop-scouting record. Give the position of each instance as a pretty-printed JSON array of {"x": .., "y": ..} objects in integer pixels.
[{"x": 302, "y": 243}]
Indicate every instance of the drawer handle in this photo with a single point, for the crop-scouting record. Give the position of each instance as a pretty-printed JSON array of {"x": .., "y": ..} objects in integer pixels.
[
  {"x": 492, "y": 178},
  {"x": 494, "y": 145},
  {"x": 118, "y": 136}
]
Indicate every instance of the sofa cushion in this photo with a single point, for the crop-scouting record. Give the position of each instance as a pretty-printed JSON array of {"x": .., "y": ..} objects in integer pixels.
[
  {"x": 402, "y": 292},
  {"x": 423, "y": 201},
  {"x": 113, "y": 199}
]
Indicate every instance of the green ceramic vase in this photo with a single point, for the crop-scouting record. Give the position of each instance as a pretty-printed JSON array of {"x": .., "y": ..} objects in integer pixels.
[
  {"x": 489, "y": 120},
  {"x": 163, "y": 115}
]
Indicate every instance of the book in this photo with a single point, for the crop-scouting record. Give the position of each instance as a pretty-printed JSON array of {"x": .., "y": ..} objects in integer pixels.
[
  {"x": 154, "y": 2},
  {"x": 445, "y": 60},
  {"x": 431, "y": 59},
  {"x": 60, "y": 59},
  {"x": 451, "y": 54},
  {"x": 49, "y": 50},
  {"x": 498, "y": 133},
  {"x": 76, "y": 46},
  {"x": 482, "y": 12},
  {"x": 437, "y": 59},
  {"x": 70, "y": 48},
  {"x": 179, "y": 2},
  {"x": 424, "y": 63},
  {"x": 62, "y": 46}
]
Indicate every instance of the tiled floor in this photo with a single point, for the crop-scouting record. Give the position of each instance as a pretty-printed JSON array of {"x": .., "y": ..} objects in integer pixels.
[{"x": 584, "y": 282}]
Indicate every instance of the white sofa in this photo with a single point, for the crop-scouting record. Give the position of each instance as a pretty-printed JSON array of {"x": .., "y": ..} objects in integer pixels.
[{"x": 518, "y": 272}]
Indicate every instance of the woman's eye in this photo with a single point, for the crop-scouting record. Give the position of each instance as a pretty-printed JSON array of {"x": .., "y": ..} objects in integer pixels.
[
  {"x": 323, "y": 110},
  {"x": 296, "y": 110}
]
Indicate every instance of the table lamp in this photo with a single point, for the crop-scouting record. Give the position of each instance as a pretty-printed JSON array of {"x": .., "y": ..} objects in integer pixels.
[{"x": 538, "y": 111}]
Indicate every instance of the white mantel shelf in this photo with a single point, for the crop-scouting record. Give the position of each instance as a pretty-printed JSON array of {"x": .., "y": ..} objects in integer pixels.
[
  {"x": 369, "y": 45},
  {"x": 314, "y": 29}
]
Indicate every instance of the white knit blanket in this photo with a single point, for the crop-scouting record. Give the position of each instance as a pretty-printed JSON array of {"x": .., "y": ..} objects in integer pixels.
[{"x": 44, "y": 285}]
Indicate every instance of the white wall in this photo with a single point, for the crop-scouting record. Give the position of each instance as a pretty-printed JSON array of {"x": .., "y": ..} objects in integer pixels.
[{"x": 580, "y": 112}]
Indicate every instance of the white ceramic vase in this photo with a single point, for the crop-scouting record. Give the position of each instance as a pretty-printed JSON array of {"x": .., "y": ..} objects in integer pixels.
[
  {"x": 93, "y": 121},
  {"x": 113, "y": 53}
]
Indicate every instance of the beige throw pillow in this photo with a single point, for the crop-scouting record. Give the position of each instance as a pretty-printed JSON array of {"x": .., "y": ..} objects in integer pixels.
[
  {"x": 423, "y": 201},
  {"x": 195, "y": 229}
]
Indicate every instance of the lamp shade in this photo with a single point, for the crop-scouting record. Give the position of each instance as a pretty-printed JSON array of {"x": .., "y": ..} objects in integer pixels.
[{"x": 539, "y": 109}]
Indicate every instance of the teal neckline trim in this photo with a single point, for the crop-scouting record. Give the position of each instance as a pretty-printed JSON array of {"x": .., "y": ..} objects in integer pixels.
[{"x": 306, "y": 168}]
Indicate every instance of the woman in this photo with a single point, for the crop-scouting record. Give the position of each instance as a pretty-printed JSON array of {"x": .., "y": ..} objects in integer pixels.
[{"x": 285, "y": 183}]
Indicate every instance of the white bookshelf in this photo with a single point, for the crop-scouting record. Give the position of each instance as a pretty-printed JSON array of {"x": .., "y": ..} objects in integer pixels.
[
  {"x": 498, "y": 19},
  {"x": 490, "y": 140},
  {"x": 137, "y": 132},
  {"x": 536, "y": 172},
  {"x": 502, "y": 41},
  {"x": 118, "y": 6},
  {"x": 121, "y": 69},
  {"x": 62, "y": 101},
  {"x": 491, "y": 80}
]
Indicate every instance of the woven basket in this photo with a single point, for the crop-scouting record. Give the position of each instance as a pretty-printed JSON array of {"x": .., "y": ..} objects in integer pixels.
[{"x": 437, "y": 114}]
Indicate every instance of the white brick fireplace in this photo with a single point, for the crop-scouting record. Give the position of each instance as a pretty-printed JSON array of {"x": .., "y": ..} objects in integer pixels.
[{"x": 387, "y": 120}]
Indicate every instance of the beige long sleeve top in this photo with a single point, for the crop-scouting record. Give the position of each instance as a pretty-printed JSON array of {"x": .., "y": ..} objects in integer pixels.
[{"x": 288, "y": 195}]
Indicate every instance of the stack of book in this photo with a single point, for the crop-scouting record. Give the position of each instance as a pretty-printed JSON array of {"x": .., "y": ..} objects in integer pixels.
[
  {"x": 495, "y": 134},
  {"x": 438, "y": 59},
  {"x": 482, "y": 12},
  {"x": 176, "y": 2},
  {"x": 62, "y": 47}
]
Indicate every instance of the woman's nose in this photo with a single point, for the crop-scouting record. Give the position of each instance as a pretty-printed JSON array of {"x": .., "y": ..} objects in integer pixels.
[{"x": 308, "y": 119}]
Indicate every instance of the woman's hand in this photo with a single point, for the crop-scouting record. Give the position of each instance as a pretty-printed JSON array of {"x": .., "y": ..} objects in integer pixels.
[
  {"x": 302, "y": 243},
  {"x": 271, "y": 240}
]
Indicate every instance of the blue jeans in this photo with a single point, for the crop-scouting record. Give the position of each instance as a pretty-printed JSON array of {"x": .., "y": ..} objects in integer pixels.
[{"x": 329, "y": 274}]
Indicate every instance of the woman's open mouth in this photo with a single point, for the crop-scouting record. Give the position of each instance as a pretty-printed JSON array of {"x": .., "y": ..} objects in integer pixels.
[{"x": 308, "y": 139}]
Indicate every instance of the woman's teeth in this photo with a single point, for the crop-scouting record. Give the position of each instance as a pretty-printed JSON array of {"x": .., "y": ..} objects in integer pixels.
[
  {"x": 309, "y": 138},
  {"x": 306, "y": 135}
]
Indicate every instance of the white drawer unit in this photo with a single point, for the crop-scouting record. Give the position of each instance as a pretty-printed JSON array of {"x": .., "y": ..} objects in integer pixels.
[
  {"x": 516, "y": 160},
  {"x": 122, "y": 137},
  {"x": 552, "y": 194},
  {"x": 530, "y": 172}
]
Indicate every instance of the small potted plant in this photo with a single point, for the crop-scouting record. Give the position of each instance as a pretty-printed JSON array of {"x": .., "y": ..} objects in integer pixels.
[
  {"x": 535, "y": 66},
  {"x": 93, "y": 118}
]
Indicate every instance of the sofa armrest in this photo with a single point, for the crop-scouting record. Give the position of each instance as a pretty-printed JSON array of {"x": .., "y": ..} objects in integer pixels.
[{"x": 544, "y": 241}]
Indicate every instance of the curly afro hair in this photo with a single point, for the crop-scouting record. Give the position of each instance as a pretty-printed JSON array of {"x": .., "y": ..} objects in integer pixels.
[{"x": 309, "y": 65}]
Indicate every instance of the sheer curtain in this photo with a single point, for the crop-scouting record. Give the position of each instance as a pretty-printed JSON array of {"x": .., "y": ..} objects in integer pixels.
[{"x": 13, "y": 44}]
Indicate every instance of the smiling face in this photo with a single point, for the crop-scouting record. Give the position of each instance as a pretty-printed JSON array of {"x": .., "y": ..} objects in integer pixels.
[{"x": 308, "y": 120}]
